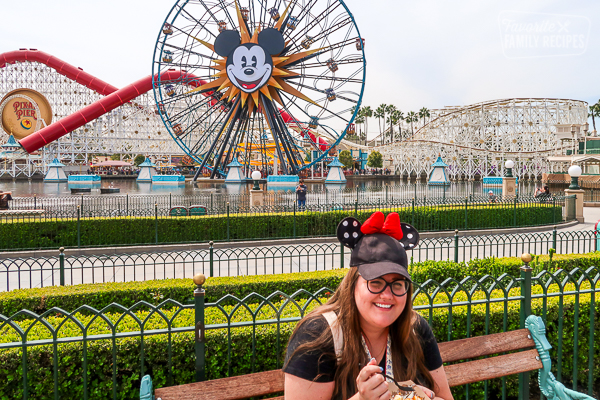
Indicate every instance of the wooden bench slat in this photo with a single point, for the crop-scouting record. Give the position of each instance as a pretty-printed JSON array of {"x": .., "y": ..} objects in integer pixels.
[
  {"x": 480, "y": 346},
  {"x": 270, "y": 382},
  {"x": 494, "y": 367},
  {"x": 234, "y": 388}
]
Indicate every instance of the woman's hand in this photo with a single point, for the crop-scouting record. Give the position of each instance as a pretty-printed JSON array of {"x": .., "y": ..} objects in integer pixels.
[
  {"x": 427, "y": 391},
  {"x": 371, "y": 383}
]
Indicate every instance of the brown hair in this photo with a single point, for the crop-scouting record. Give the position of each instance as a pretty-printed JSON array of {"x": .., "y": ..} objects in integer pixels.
[{"x": 407, "y": 354}]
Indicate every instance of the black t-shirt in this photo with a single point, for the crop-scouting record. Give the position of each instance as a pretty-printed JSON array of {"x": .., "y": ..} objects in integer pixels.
[
  {"x": 4, "y": 201},
  {"x": 301, "y": 192},
  {"x": 320, "y": 366}
]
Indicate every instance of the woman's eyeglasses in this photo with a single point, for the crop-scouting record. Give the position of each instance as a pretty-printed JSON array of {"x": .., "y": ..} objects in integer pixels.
[{"x": 399, "y": 287}]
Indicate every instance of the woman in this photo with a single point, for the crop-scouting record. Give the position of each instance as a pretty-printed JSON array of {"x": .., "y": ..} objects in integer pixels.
[
  {"x": 545, "y": 193},
  {"x": 368, "y": 327}
]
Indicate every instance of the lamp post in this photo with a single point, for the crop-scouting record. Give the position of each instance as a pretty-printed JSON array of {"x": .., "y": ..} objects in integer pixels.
[
  {"x": 586, "y": 127},
  {"x": 509, "y": 164},
  {"x": 573, "y": 137},
  {"x": 575, "y": 173},
  {"x": 256, "y": 175}
]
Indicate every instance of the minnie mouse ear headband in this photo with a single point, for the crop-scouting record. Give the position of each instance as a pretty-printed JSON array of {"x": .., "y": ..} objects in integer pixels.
[{"x": 379, "y": 245}]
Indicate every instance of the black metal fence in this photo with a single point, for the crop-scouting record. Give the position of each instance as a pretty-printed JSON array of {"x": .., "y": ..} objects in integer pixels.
[
  {"x": 100, "y": 354},
  {"x": 20, "y": 273}
]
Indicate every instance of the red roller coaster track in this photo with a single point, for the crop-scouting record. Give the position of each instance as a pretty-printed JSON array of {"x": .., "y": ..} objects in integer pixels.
[{"x": 114, "y": 97}]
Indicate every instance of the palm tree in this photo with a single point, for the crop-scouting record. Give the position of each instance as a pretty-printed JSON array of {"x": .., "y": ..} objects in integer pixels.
[
  {"x": 380, "y": 114},
  {"x": 389, "y": 110},
  {"x": 399, "y": 117},
  {"x": 395, "y": 117},
  {"x": 595, "y": 112},
  {"x": 360, "y": 119},
  {"x": 424, "y": 113},
  {"x": 367, "y": 113},
  {"x": 411, "y": 117}
]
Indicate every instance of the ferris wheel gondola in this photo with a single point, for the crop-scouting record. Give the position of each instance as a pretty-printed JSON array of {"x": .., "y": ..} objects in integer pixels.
[{"x": 292, "y": 69}]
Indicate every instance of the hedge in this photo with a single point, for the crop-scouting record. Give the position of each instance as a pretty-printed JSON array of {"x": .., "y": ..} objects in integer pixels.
[
  {"x": 148, "y": 230},
  {"x": 220, "y": 363},
  {"x": 128, "y": 293}
]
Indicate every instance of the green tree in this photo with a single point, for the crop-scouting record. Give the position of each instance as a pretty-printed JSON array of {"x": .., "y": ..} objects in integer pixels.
[
  {"x": 380, "y": 115},
  {"x": 375, "y": 160},
  {"x": 390, "y": 109},
  {"x": 395, "y": 117},
  {"x": 139, "y": 159},
  {"x": 367, "y": 113},
  {"x": 424, "y": 113},
  {"x": 346, "y": 158},
  {"x": 115, "y": 157},
  {"x": 595, "y": 112},
  {"x": 411, "y": 117}
]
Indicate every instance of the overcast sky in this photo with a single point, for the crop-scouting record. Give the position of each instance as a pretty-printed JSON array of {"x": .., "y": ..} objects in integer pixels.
[{"x": 425, "y": 53}]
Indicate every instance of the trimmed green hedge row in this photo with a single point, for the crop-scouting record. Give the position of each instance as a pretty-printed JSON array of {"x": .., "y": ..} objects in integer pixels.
[
  {"x": 144, "y": 230},
  {"x": 128, "y": 293},
  {"x": 269, "y": 346}
]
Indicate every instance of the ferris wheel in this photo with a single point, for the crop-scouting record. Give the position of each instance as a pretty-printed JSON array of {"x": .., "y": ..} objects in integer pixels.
[{"x": 264, "y": 82}]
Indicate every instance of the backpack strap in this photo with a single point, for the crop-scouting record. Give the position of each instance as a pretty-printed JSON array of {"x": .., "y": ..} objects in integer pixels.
[{"x": 336, "y": 332}]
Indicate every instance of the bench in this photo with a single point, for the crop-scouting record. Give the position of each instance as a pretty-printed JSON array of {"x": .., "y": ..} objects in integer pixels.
[
  {"x": 527, "y": 351},
  {"x": 181, "y": 211}
]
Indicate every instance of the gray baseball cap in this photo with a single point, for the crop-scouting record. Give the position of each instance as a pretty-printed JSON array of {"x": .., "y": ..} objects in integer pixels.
[{"x": 378, "y": 254}]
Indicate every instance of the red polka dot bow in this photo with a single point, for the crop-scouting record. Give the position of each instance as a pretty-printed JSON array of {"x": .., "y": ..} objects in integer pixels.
[{"x": 377, "y": 223}]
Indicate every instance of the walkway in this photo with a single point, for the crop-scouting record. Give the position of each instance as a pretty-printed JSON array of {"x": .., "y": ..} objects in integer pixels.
[{"x": 259, "y": 258}]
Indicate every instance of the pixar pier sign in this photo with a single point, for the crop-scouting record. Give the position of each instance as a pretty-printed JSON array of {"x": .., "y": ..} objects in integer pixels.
[
  {"x": 25, "y": 109},
  {"x": 23, "y": 112}
]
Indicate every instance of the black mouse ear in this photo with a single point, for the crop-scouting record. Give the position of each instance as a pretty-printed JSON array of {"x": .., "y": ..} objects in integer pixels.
[
  {"x": 226, "y": 42},
  {"x": 348, "y": 232},
  {"x": 410, "y": 236},
  {"x": 271, "y": 40}
]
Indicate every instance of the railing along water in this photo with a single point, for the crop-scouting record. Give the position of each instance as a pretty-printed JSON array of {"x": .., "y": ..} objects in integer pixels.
[{"x": 158, "y": 224}]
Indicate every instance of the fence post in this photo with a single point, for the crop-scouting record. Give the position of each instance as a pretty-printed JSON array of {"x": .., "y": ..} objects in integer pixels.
[
  {"x": 554, "y": 237},
  {"x": 170, "y": 201},
  {"x": 466, "y": 206},
  {"x": 412, "y": 222},
  {"x": 35, "y": 201},
  {"x": 61, "y": 265},
  {"x": 456, "y": 245},
  {"x": 356, "y": 209},
  {"x": 227, "y": 221},
  {"x": 386, "y": 194},
  {"x": 341, "y": 256},
  {"x": 357, "y": 194},
  {"x": 554, "y": 210},
  {"x": 78, "y": 226},
  {"x": 515, "y": 213},
  {"x": 211, "y": 203},
  {"x": 211, "y": 259},
  {"x": 156, "y": 223},
  {"x": 199, "y": 345},
  {"x": 294, "y": 232},
  {"x": 525, "y": 312},
  {"x": 127, "y": 204}
]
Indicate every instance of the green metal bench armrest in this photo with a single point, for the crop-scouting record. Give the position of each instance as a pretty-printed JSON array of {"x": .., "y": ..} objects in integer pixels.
[
  {"x": 146, "y": 392},
  {"x": 549, "y": 386}
]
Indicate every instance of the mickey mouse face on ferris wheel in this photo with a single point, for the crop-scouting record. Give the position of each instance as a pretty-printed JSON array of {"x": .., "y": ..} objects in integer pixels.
[{"x": 249, "y": 65}]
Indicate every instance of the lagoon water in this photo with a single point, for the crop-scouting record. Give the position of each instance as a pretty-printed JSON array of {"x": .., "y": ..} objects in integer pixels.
[{"x": 376, "y": 184}]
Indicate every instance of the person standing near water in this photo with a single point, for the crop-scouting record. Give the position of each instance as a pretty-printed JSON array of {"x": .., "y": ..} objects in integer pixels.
[
  {"x": 301, "y": 195},
  {"x": 4, "y": 198}
]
